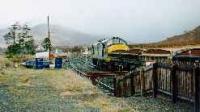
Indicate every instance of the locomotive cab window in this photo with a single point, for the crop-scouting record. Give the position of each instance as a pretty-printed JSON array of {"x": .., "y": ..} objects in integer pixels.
[{"x": 116, "y": 40}]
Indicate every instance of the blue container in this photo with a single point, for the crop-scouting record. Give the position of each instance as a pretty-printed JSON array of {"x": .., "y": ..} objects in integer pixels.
[
  {"x": 39, "y": 63},
  {"x": 30, "y": 64},
  {"x": 58, "y": 63},
  {"x": 46, "y": 64}
]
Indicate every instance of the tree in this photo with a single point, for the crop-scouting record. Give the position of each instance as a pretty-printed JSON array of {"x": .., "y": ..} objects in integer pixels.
[
  {"x": 46, "y": 44},
  {"x": 10, "y": 37},
  {"x": 19, "y": 40},
  {"x": 26, "y": 40}
]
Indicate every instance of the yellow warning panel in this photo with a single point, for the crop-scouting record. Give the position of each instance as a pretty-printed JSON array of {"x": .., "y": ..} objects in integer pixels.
[{"x": 117, "y": 47}]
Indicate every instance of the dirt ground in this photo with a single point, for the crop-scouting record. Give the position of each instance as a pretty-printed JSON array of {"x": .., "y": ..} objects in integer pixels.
[{"x": 28, "y": 90}]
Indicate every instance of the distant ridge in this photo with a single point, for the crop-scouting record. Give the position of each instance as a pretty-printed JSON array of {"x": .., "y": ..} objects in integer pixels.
[
  {"x": 63, "y": 36},
  {"x": 188, "y": 38}
]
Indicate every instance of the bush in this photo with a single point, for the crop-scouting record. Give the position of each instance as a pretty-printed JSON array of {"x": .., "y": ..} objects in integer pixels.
[
  {"x": 21, "y": 58},
  {"x": 5, "y": 62}
]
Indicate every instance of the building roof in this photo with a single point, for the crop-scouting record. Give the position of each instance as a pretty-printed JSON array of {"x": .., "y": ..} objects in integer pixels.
[{"x": 40, "y": 48}]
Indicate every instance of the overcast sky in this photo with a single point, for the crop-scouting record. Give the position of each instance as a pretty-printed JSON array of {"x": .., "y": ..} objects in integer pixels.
[{"x": 135, "y": 20}]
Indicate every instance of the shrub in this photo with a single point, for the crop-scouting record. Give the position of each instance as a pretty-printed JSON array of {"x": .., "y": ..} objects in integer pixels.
[{"x": 5, "y": 62}]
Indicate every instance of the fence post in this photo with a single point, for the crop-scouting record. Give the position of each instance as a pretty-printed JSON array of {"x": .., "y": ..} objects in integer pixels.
[
  {"x": 142, "y": 81},
  {"x": 93, "y": 78},
  {"x": 155, "y": 80},
  {"x": 115, "y": 86},
  {"x": 174, "y": 83},
  {"x": 197, "y": 91},
  {"x": 120, "y": 89},
  {"x": 125, "y": 89},
  {"x": 132, "y": 85}
]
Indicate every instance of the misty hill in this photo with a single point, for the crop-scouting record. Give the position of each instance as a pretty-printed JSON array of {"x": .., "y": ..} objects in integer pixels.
[
  {"x": 63, "y": 36},
  {"x": 60, "y": 36},
  {"x": 2, "y": 33},
  {"x": 188, "y": 38}
]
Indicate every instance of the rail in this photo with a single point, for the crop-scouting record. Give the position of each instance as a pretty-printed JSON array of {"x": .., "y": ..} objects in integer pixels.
[{"x": 84, "y": 70}]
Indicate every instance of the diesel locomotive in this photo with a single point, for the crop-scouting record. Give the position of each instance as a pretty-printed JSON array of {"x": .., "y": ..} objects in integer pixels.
[{"x": 113, "y": 54}]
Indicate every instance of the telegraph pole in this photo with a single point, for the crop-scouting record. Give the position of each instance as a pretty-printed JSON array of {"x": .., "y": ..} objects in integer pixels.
[{"x": 48, "y": 26}]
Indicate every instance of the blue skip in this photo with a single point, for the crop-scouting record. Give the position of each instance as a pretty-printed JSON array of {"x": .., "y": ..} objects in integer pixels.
[{"x": 58, "y": 63}]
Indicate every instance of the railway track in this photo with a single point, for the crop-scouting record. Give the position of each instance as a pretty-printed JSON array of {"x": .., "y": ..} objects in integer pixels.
[{"x": 86, "y": 69}]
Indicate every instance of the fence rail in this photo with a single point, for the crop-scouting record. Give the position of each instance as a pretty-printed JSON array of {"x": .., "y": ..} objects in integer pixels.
[{"x": 180, "y": 82}]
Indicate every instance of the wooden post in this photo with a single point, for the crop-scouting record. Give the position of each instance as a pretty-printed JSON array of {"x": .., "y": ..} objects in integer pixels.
[
  {"x": 120, "y": 90},
  {"x": 155, "y": 80},
  {"x": 115, "y": 86},
  {"x": 125, "y": 89},
  {"x": 48, "y": 26},
  {"x": 132, "y": 85},
  {"x": 142, "y": 81},
  {"x": 174, "y": 83},
  {"x": 93, "y": 78},
  {"x": 197, "y": 89}
]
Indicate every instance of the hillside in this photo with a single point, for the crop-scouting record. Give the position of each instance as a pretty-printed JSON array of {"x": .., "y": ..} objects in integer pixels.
[
  {"x": 61, "y": 36},
  {"x": 188, "y": 38},
  {"x": 191, "y": 37}
]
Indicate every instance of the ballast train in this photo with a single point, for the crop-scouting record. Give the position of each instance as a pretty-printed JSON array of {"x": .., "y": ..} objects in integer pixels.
[{"x": 113, "y": 54}]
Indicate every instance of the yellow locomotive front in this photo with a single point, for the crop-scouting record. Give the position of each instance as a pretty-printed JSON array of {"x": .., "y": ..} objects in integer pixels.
[
  {"x": 117, "y": 48},
  {"x": 111, "y": 53}
]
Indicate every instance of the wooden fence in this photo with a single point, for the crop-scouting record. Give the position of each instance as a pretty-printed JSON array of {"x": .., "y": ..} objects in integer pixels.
[{"x": 179, "y": 82}]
